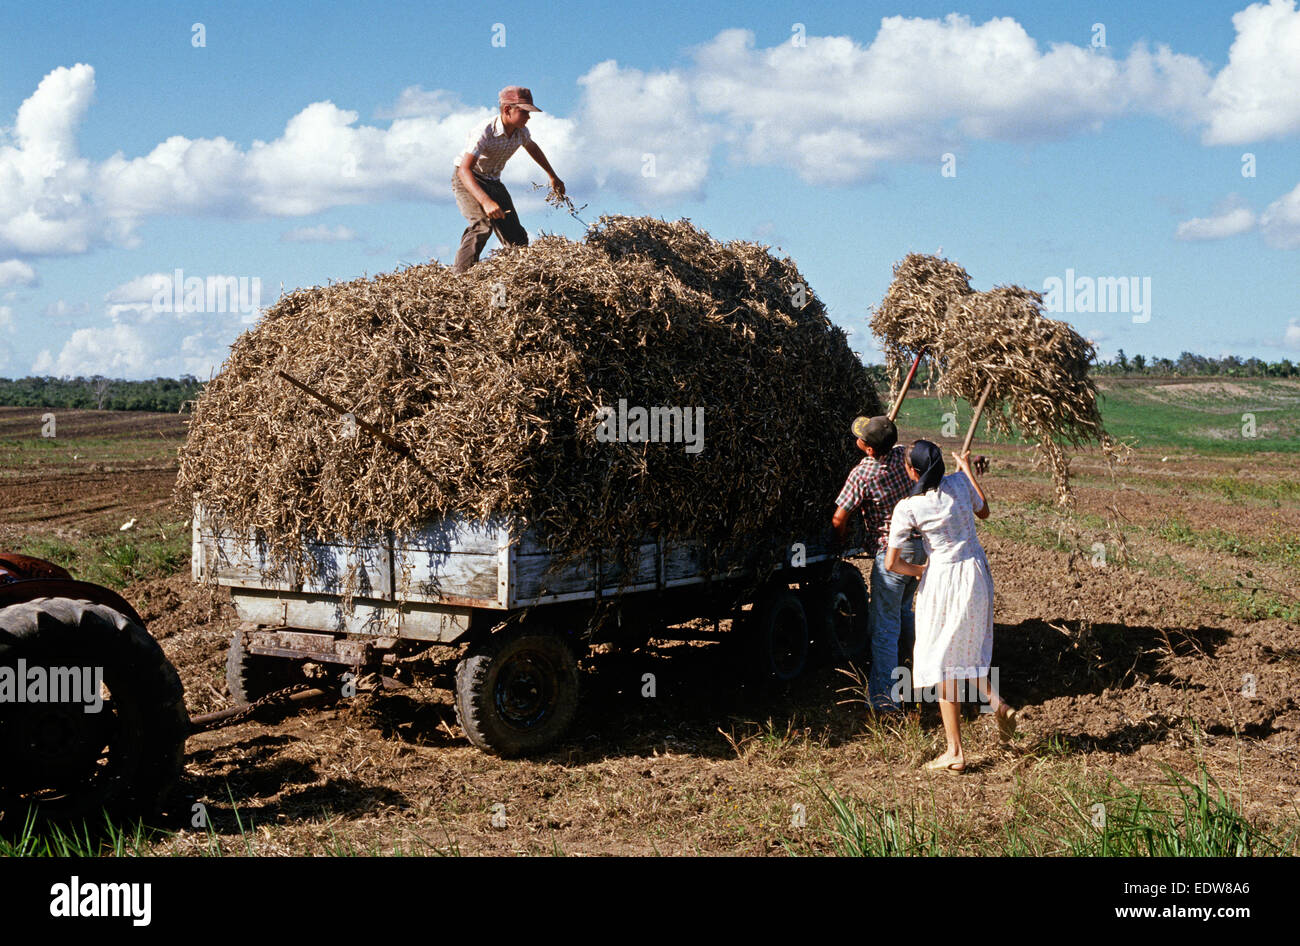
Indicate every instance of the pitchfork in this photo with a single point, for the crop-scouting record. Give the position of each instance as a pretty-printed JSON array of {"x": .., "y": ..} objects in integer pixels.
[{"x": 979, "y": 464}]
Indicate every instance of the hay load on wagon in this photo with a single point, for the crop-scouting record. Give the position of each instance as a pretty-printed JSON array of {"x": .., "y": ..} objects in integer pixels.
[
  {"x": 507, "y": 384},
  {"x": 1034, "y": 368}
]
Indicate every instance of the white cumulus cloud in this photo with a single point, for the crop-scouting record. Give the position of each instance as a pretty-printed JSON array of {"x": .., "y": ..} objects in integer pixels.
[
  {"x": 1280, "y": 221},
  {"x": 46, "y": 200},
  {"x": 154, "y": 326},
  {"x": 640, "y": 132},
  {"x": 54, "y": 201},
  {"x": 1229, "y": 220},
  {"x": 832, "y": 111},
  {"x": 833, "y": 108},
  {"x": 15, "y": 272},
  {"x": 319, "y": 234},
  {"x": 1256, "y": 96}
]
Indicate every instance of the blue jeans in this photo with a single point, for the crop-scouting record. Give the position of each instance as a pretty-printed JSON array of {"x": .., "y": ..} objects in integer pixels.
[{"x": 891, "y": 617}]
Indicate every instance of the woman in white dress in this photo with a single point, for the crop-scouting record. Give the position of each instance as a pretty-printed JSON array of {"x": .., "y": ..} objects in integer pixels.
[{"x": 954, "y": 602}]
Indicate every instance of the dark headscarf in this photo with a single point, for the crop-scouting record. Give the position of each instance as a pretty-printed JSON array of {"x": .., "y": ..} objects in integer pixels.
[{"x": 927, "y": 459}]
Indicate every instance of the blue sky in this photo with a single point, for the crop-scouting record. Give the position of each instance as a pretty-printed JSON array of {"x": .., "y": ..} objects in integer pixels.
[{"x": 303, "y": 143}]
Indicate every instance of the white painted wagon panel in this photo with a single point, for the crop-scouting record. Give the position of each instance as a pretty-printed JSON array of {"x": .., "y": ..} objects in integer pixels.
[
  {"x": 368, "y": 617},
  {"x": 373, "y": 578},
  {"x": 231, "y": 560},
  {"x": 455, "y": 534},
  {"x": 427, "y": 575}
]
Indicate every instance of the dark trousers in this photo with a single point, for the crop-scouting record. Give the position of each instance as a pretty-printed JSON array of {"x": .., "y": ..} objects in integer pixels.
[{"x": 508, "y": 229}]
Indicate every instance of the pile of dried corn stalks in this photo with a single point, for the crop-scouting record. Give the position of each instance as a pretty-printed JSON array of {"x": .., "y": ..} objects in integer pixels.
[{"x": 495, "y": 379}]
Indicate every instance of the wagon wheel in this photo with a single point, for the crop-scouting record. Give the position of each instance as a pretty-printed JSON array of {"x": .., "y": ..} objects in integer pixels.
[
  {"x": 249, "y": 677},
  {"x": 114, "y": 740},
  {"x": 776, "y": 632},
  {"x": 517, "y": 691},
  {"x": 838, "y": 612}
]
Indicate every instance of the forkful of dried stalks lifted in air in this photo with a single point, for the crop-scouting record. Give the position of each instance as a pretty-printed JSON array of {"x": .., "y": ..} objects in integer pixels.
[{"x": 997, "y": 350}]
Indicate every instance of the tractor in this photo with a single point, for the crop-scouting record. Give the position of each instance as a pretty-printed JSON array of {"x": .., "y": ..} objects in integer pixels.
[{"x": 92, "y": 713}]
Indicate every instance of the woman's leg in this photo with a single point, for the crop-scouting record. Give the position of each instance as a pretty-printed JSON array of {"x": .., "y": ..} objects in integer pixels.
[
  {"x": 1003, "y": 712},
  {"x": 950, "y": 710},
  {"x": 1000, "y": 706},
  {"x": 990, "y": 695}
]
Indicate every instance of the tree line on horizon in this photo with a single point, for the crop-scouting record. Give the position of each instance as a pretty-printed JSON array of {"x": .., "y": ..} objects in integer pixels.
[
  {"x": 1186, "y": 365},
  {"x": 172, "y": 394},
  {"x": 101, "y": 394},
  {"x": 1190, "y": 365}
]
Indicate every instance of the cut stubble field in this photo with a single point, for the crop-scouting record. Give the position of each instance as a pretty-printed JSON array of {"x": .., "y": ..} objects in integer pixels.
[{"x": 1132, "y": 633}]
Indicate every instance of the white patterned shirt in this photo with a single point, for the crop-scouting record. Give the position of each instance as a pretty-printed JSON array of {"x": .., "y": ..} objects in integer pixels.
[{"x": 492, "y": 147}]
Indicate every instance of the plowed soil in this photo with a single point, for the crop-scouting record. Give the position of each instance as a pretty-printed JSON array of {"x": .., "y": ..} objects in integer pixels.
[
  {"x": 97, "y": 470},
  {"x": 1130, "y": 671}
]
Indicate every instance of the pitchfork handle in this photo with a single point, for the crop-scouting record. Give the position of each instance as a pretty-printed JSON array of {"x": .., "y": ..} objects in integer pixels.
[
  {"x": 898, "y": 402},
  {"x": 974, "y": 421}
]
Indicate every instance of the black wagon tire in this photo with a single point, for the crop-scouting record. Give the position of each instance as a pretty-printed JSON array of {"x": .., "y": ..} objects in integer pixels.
[
  {"x": 249, "y": 677},
  {"x": 777, "y": 636},
  {"x": 61, "y": 761},
  {"x": 839, "y": 612},
  {"x": 517, "y": 691}
]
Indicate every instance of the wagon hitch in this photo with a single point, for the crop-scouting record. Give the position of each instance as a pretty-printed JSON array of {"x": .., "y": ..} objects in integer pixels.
[{"x": 295, "y": 695}]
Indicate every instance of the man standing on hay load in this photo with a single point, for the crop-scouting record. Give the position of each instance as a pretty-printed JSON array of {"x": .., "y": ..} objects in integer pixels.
[
  {"x": 480, "y": 195},
  {"x": 875, "y": 485}
]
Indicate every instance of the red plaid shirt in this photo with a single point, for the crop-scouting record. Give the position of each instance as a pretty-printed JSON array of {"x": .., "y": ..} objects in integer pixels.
[{"x": 876, "y": 486}]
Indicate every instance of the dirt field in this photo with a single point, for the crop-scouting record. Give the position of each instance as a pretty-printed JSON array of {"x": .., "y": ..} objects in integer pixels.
[
  {"x": 1130, "y": 634},
  {"x": 97, "y": 465}
]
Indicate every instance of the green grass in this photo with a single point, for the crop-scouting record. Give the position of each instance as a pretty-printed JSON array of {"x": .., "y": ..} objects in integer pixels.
[
  {"x": 1203, "y": 423},
  {"x": 1179, "y": 817},
  {"x": 117, "y": 559},
  {"x": 1282, "y": 549},
  {"x": 29, "y": 453},
  {"x": 1031, "y": 523},
  {"x": 1253, "y": 602},
  {"x": 1279, "y": 491},
  {"x": 52, "y": 840},
  {"x": 134, "y": 839},
  {"x": 1208, "y": 423},
  {"x": 871, "y": 831},
  {"x": 923, "y": 417},
  {"x": 1025, "y": 524}
]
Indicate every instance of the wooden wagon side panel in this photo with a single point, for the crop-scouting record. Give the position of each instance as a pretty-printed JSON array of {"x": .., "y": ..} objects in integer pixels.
[
  {"x": 543, "y": 577},
  {"x": 237, "y": 561},
  {"x": 451, "y": 561}
]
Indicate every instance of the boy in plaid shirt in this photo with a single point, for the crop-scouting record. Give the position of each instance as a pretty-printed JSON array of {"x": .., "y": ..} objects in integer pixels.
[
  {"x": 875, "y": 485},
  {"x": 482, "y": 198}
]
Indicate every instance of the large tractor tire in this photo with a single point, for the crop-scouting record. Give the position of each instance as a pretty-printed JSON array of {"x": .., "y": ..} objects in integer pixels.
[
  {"x": 249, "y": 677},
  {"x": 517, "y": 691},
  {"x": 57, "y": 759},
  {"x": 776, "y": 636}
]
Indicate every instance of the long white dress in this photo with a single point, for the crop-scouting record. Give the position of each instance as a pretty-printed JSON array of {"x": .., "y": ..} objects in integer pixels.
[{"x": 954, "y": 601}]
